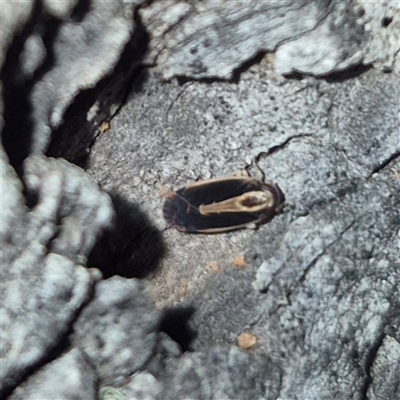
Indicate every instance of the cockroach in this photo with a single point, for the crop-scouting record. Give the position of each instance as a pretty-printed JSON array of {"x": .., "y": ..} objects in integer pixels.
[{"x": 222, "y": 205}]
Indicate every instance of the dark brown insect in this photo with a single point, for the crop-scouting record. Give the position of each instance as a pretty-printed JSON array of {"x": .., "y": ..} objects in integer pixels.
[{"x": 222, "y": 204}]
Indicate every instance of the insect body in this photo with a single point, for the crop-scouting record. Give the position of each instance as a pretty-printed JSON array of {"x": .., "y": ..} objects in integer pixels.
[{"x": 222, "y": 204}]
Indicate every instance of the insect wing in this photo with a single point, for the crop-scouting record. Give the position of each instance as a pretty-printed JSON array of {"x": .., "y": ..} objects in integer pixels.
[
  {"x": 217, "y": 190},
  {"x": 177, "y": 211},
  {"x": 181, "y": 208},
  {"x": 180, "y": 214}
]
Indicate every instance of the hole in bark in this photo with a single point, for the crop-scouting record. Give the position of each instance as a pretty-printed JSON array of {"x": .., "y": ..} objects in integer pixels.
[
  {"x": 386, "y": 21},
  {"x": 175, "y": 324}
]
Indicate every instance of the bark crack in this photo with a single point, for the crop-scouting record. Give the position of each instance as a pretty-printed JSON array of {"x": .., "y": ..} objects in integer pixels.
[
  {"x": 384, "y": 163},
  {"x": 274, "y": 149},
  {"x": 369, "y": 362}
]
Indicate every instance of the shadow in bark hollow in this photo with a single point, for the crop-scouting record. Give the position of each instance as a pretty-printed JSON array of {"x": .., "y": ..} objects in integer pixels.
[
  {"x": 74, "y": 138},
  {"x": 17, "y": 87},
  {"x": 346, "y": 74},
  {"x": 81, "y": 9},
  {"x": 175, "y": 323},
  {"x": 236, "y": 74},
  {"x": 338, "y": 76},
  {"x": 133, "y": 248}
]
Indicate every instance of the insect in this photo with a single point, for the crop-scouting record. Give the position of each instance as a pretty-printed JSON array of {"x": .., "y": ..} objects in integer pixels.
[{"x": 222, "y": 205}]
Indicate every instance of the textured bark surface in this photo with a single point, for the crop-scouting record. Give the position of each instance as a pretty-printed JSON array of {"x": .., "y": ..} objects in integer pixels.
[
  {"x": 212, "y": 39},
  {"x": 43, "y": 281},
  {"x": 99, "y": 299},
  {"x": 67, "y": 377},
  {"x": 118, "y": 317}
]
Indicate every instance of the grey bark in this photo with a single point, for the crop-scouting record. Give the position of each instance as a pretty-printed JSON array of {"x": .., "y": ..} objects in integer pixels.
[{"x": 63, "y": 378}]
